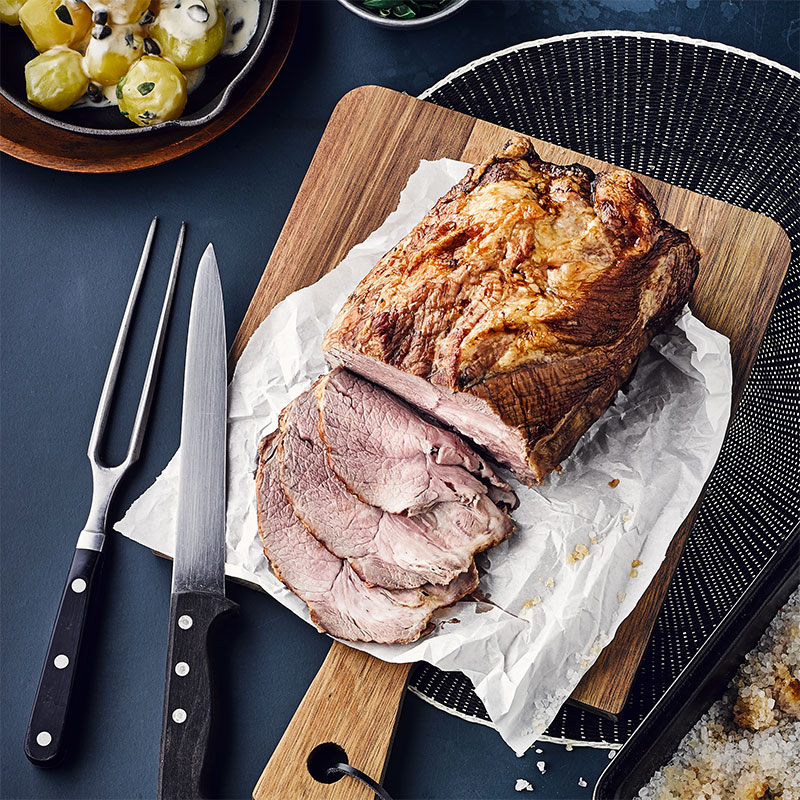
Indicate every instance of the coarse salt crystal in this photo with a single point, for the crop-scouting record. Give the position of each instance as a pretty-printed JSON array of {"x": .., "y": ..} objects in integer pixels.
[
  {"x": 540, "y": 765},
  {"x": 720, "y": 759},
  {"x": 539, "y": 750},
  {"x": 523, "y": 786},
  {"x": 568, "y": 748},
  {"x": 582, "y": 782}
]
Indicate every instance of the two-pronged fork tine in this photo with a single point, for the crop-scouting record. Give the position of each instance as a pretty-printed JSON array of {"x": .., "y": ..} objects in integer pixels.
[
  {"x": 104, "y": 405},
  {"x": 44, "y": 741}
]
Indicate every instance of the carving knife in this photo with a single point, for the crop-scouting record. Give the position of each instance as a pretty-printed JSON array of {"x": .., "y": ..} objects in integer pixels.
[{"x": 198, "y": 573}]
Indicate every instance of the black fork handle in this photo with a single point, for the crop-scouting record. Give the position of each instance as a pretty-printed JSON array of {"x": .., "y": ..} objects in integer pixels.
[{"x": 45, "y": 741}]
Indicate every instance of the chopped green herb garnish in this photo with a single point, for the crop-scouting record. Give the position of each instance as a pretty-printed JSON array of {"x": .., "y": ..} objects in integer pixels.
[
  {"x": 375, "y": 4},
  {"x": 120, "y": 85},
  {"x": 403, "y": 9},
  {"x": 145, "y": 88}
]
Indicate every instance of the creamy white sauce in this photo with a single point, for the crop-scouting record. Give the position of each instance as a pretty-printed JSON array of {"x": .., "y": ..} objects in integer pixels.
[
  {"x": 115, "y": 42},
  {"x": 110, "y": 94},
  {"x": 119, "y": 11},
  {"x": 179, "y": 24},
  {"x": 241, "y": 21},
  {"x": 194, "y": 77},
  {"x": 175, "y": 18}
]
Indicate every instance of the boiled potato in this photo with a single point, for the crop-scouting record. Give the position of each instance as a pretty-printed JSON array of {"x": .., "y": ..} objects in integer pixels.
[
  {"x": 153, "y": 91},
  {"x": 189, "y": 32},
  {"x": 55, "y": 80},
  {"x": 9, "y": 11},
  {"x": 50, "y": 23},
  {"x": 120, "y": 12},
  {"x": 108, "y": 59}
]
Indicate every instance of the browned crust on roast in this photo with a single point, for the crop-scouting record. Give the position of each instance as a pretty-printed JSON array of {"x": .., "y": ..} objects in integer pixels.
[{"x": 530, "y": 285}]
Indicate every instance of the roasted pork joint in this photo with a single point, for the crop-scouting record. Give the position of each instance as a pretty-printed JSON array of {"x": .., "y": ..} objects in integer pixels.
[{"x": 521, "y": 302}]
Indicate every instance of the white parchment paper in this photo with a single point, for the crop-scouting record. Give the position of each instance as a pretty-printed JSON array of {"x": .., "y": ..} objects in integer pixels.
[{"x": 583, "y": 552}]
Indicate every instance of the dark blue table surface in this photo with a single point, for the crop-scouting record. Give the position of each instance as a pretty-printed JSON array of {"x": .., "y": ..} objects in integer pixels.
[{"x": 69, "y": 247}]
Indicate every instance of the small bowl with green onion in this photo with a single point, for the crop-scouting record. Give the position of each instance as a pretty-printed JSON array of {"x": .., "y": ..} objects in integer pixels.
[{"x": 403, "y": 13}]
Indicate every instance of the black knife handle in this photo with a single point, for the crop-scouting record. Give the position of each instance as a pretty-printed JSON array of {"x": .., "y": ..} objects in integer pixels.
[
  {"x": 188, "y": 696},
  {"x": 45, "y": 742}
]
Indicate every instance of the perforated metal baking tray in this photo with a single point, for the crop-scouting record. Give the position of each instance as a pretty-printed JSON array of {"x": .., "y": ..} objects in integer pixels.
[{"x": 705, "y": 677}]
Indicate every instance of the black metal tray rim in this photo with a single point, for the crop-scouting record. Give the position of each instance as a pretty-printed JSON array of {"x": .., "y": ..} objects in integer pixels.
[
  {"x": 759, "y": 591},
  {"x": 669, "y": 37}
]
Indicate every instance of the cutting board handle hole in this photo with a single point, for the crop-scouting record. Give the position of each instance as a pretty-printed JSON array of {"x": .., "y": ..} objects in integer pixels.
[{"x": 322, "y": 758}]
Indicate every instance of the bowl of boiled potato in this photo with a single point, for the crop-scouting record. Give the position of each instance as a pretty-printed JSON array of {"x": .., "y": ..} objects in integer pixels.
[{"x": 120, "y": 67}]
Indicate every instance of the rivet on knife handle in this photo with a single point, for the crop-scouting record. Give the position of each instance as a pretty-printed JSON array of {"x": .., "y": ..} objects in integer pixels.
[{"x": 188, "y": 699}]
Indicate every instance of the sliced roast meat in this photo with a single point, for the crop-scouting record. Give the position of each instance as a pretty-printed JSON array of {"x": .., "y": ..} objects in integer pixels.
[
  {"x": 340, "y": 602},
  {"x": 389, "y": 550},
  {"x": 392, "y": 458}
]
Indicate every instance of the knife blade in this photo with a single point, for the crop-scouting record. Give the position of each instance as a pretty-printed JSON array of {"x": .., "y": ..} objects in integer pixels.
[{"x": 198, "y": 573}]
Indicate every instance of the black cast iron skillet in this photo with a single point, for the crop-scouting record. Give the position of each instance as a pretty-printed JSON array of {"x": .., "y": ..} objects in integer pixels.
[
  {"x": 205, "y": 103},
  {"x": 705, "y": 677}
]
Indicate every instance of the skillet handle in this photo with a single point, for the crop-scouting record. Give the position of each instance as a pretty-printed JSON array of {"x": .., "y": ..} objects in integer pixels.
[{"x": 354, "y": 702}]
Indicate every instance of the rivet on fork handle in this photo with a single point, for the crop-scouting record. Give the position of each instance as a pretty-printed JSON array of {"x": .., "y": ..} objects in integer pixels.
[{"x": 45, "y": 744}]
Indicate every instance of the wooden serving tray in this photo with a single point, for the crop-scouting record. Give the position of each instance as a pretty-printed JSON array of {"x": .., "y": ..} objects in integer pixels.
[{"x": 374, "y": 141}]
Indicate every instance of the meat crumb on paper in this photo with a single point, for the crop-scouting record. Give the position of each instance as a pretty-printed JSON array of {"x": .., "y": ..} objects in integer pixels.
[{"x": 578, "y": 554}]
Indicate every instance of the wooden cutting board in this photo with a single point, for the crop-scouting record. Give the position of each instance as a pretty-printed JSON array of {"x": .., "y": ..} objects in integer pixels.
[{"x": 374, "y": 141}]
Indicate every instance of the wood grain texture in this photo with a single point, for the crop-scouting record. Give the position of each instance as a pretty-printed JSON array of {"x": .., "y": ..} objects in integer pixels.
[
  {"x": 353, "y": 701},
  {"x": 373, "y": 142},
  {"x": 29, "y": 139}
]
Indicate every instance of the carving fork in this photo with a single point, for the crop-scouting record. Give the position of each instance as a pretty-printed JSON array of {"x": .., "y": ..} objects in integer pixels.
[{"x": 45, "y": 743}]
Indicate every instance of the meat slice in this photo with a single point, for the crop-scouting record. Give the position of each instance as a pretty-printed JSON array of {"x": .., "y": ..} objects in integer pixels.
[
  {"x": 385, "y": 549},
  {"x": 517, "y": 307},
  {"x": 339, "y": 601},
  {"x": 392, "y": 458}
]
